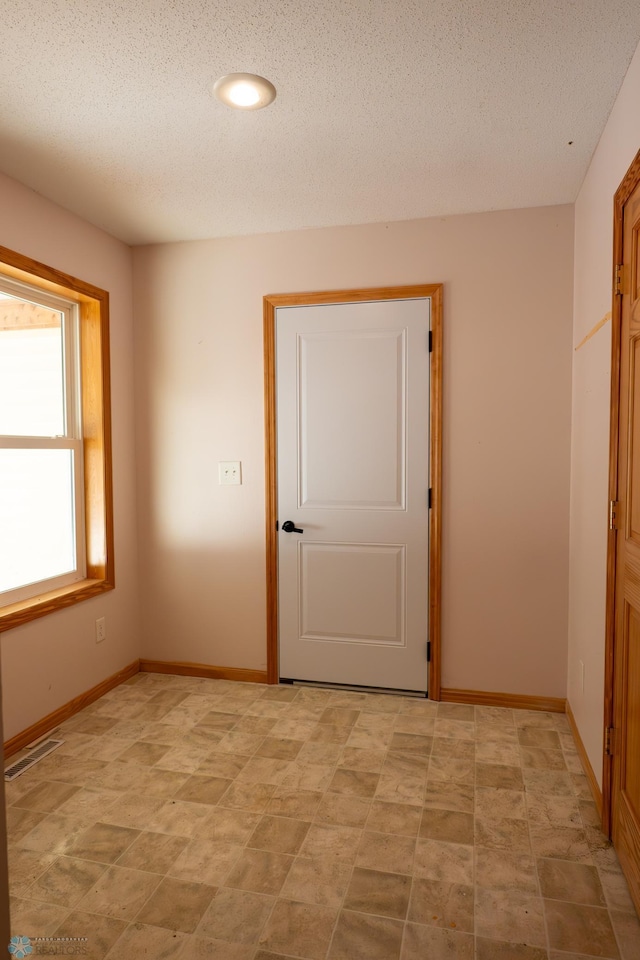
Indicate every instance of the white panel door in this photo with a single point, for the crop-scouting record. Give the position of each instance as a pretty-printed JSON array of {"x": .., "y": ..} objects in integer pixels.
[{"x": 353, "y": 476}]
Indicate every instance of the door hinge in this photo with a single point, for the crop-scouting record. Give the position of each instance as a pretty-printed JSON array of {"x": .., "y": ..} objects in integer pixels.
[
  {"x": 619, "y": 280},
  {"x": 613, "y": 514},
  {"x": 429, "y": 498},
  {"x": 430, "y": 342},
  {"x": 277, "y": 525},
  {"x": 608, "y": 741},
  {"x": 428, "y": 651}
]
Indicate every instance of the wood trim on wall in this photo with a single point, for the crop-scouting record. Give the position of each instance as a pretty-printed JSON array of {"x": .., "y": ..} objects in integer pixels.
[
  {"x": 178, "y": 669},
  {"x": 584, "y": 759},
  {"x": 52, "y": 720},
  {"x": 622, "y": 194},
  {"x": 513, "y": 701},
  {"x": 270, "y": 305}
]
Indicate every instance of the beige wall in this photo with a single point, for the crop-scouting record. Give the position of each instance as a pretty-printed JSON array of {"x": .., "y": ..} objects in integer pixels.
[
  {"x": 50, "y": 661},
  {"x": 590, "y": 417},
  {"x": 199, "y": 382}
]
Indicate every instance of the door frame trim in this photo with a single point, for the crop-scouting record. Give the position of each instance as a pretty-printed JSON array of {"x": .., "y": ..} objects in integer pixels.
[
  {"x": 622, "y": 194},
  {"x": 270, "y": 305}
]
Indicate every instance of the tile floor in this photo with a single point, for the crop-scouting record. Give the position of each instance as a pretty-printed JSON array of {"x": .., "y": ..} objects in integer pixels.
[{"x": 201, "y": 818}]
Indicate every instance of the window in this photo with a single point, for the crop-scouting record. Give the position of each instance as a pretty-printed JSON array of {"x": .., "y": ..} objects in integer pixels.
[{"x": 56, "y": 534}]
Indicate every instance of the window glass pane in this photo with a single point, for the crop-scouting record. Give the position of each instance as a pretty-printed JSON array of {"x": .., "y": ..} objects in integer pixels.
[
  {"x": 31, "y": 369},
  {"x": 36, "y": 516}
]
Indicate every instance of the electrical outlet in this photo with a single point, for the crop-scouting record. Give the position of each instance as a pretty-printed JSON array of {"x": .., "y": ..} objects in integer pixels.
[
  {"x": 101, "y": 629},
  {"x": 229, "y": 472}
]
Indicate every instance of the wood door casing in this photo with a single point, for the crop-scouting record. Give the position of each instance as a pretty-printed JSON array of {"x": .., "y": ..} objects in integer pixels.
[
  {"x": 622, "y": 700},
  {"x": 271, "y": 303}
]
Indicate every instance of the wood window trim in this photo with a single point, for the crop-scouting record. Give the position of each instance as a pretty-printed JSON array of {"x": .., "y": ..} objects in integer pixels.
[
  {"x": 93, "y": 306},
  {"x": 270, "y": 304}
]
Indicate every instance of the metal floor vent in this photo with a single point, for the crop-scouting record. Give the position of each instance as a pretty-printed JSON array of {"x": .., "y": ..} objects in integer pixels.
[{"x": 38, "y": 752}]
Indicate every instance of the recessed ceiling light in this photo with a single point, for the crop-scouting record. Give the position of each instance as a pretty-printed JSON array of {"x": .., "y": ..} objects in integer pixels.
[{"x": 244, "y": 91}]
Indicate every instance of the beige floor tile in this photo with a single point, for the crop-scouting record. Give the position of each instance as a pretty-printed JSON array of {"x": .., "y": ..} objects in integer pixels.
[
  {"x": 253, "y": 797},
  {"x": 553, "y": 811},
  {"x": 201, "y": 789},
  {"x": 299, "y": 929},
  {"x": 99, "y": 933},
  {"x": 46, "y": 796},
  {"x": 358, "y": 758},
  {"x": 576, "y": 882},
  {"x": 506, "y": 870},
  {"x": 361, "y": 935},
  {"x": 317, "y": 753},
  {"x": 448, "y": 747},
  {"x": 175, "y": 787},
  {"x": 627, "y": 931},
  {"x": 177, "y": 905},
  {"x": 25, "y": 866},
  {"x": 153, "y": 852},
  {"x": 449, "y": 862},
  {"x": 563, "y": 843},
  {"x": 54, "y": 833},
  {"x": 119, "y": 892},
  {"x": 449, "y": 796},
  {"x": 378, "y": 892},
  {"x": 279, "y": 834},
  {"x": 299, "y": 804},
  {"x": 131, "y": 810},
  {"x": 218, "y": 949},
  {"x": 235, "y": 916},
  {"x": 264, "y": 770},
  {"x": 403, "y": 764},
  {"x": 66, "y": 881},
  {"x": 452, "y": 769},
  {"x": 542, "y": 758},
  {"x": 342, "y": 809},
  {"x": 449, "y": 825},
  {"x": 496, "y": 751},
  {"x": 494, "y": 803},
  {"x": 104, "y": 842},
  {"x": 400, "y": 789},
  {"x": 510, "y": 915},
  {"x": 585, "y": 929},
  {"x": 441, "y": 904},
  {"x": 317, "y": 881},
  {"x": 260, "y": 871},
  {"x": 499, "y": 775},
  {"x": 279, "y": 748},
  {"x": 400, "y": 818},
  {"x": 421, "y": 942},
  {"x": 501, "y": 950},
  {"x": 33, "y": 918},
  {"x": 507, "y": 834},
  {"x": 328, "y": 840},
  {"x": 206, "y": 861},
  {"x": 456, "y": 711},
  {"x": 140, "y": 939},
  {"x": 386, "y": 851},
  {"x": 162, "y": 784},
  {"x": 178, "y": 817}
]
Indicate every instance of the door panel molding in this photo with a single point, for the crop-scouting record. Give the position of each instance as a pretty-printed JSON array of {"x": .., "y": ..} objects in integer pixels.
[
  {"x": 624, "y": 191},
  {"x": 270, "y": 304},
  {"x": 621, "y": 778}
]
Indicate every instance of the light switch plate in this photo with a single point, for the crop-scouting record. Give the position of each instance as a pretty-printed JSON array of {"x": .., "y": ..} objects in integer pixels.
[{"x": 229, "y": 471}]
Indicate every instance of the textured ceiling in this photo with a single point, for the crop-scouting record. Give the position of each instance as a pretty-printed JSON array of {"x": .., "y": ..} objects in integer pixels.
[{"x": 385, "y": 110}]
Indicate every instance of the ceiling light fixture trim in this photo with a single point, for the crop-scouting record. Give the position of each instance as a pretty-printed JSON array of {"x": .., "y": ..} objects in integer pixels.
[{"x": 244, "y": 91}]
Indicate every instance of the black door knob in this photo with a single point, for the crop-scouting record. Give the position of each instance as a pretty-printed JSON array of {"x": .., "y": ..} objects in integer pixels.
[{"x": 289, "y": 527}]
